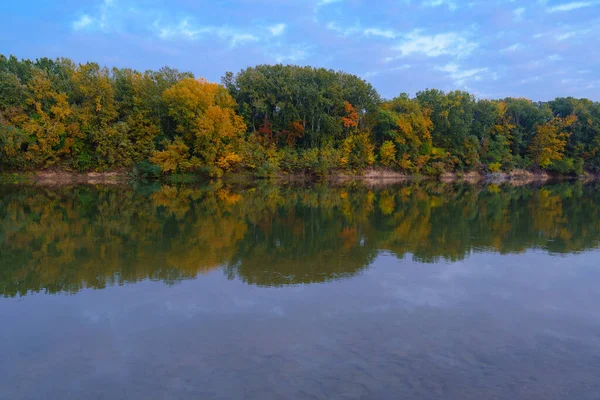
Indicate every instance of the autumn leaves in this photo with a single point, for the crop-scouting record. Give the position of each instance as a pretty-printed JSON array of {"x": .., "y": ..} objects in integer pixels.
[{"x": 272, "y": 119}]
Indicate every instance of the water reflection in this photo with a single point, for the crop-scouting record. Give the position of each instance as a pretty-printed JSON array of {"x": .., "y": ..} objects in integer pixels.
[{"x": 69, "y": 238}]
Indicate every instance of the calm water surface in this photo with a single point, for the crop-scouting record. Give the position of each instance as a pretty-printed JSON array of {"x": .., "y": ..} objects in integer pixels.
[{"x": 284, "y": 292}]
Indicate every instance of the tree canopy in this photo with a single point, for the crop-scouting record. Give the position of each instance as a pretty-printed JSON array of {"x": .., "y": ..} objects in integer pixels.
[{"x": 272, "y": 118}]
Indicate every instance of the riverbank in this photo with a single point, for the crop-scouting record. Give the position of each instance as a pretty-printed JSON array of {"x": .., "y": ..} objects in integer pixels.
[
  {"x": 61, "y": 177},
  {"x": 370, "y": 176},
  {"x": 386, "y": 176}
]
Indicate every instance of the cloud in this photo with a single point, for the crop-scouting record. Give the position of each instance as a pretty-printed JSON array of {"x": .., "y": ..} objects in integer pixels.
[
  {"x": 322, "y": 3},
  {"x": 529, "y": 80},
  {"x": 573, "y": 32},
  {"x": 294, "y": 53},
  {"x": 277, "y": 29},
  {"x": 571, "y": 6},
  {"x": 370, "y": 74},
  {"x": 451, "y": 43},
  {"x": 113, "y": 16},
  {"x": 512, "y": 48},
  {"x": 518, "y": 13},
  {"x": 106, "y": 19},
  {"x": 437, "y": 3},
  {"x": 458, "y": 75},
  {"x": 386, "y": 33},
  {"x": 183, "y": 29},
  {"x": 356, "y": 30},
  {"x": 341, "y": 31},
  {"x": 565, "y": 36},
  {"x": 186, "y": 30},
  {"x": 82, "y": 22}
]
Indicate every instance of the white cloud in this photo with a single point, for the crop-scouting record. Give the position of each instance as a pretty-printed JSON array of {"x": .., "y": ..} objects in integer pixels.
[
  {"x": 592, "y": 85},
  {"x": 188, "y": 31},
  {"x": 356, "y": 30},
  {"x": 529, "y": 80},
  {"x": 292, "y": 54},
  {"x": 436, "y": 3},
  {"x": 566, "y": 35},
  {"x": 400, "y": 67},
  {"x": 183, "y": 29},
  {"x": 555, "y": 57},
  {"x": 332, "y": 26},
  {"x": 371, "y": 74},
  {"x": 571, "y": 32},
  {"x": 458, "y": 75},
  {"x": 512, "y": 48},
  {"x": 518, "y": 13},
  {"x": 237, "y": 38},
  {"x": 450, "y": 43},
  {"x": 322, "y": 3},
  {"x": 277, "y": 29},
  {"x": 84, "y": 21},
  {"x": 392, "y": 69},
  {"x": 386, "y": 33},
  {"x": 571, "y": 6},
  {"x": 116, "y": 16}
]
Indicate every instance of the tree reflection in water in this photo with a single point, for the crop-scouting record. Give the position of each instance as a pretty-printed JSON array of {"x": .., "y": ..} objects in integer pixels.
[{"x": 68, "y": 238}]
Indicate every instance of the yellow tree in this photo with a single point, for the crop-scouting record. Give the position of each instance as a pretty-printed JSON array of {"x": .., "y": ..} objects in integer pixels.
[
  {"x": 548, "y": 143},
  {"x": 96, "y": 112},
  {"x": 503, "y": 124},
  {"x": 409, "y": 126},
  {"x": 48, "y": 123},
  {"x": 387, "y": 154},
  {"x": 206, "y": 119},
  {"x": 95, "y": 94},
  {"x": 174, "y": 158},
  {"x": 357, "y": 151}
]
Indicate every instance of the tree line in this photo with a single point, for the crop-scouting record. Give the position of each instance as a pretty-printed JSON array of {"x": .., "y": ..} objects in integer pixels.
[{"x": 272, "y": 119}]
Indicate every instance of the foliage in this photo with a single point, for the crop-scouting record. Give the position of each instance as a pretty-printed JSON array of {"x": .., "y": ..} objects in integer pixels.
[
  {"x": 357, "y": 151},
  {"x": 494, "y": 167},
  {"x": 273, "y": 118},
  {"x": 549, "y": 142},
  {"x": 229, "y": 161},
  {"x": 387, "y": 154},
  {"x": 408, "y": 125},
  {"x": 174, "y": 158},
  {"x": 328, "y": 104}
]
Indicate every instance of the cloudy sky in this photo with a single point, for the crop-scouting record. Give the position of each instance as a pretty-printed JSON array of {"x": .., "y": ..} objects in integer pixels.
[{"x": 494, "y": 48}]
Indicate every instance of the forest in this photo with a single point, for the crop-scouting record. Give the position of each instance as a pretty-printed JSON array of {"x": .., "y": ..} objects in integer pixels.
[{"x": 275, "y": 119}]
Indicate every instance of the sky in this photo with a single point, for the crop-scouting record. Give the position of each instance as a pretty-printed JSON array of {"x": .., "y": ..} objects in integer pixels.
[{"x": 539, "y": 49}]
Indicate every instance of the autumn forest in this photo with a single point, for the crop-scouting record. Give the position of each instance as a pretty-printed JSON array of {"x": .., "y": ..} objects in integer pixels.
[{"x": 273, "y": 119}]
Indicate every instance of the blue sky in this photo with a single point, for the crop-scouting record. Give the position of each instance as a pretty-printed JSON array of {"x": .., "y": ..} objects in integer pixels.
[{"x": 539, "y": 49}]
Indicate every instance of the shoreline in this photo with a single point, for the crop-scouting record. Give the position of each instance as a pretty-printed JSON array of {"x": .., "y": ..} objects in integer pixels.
[
  {"x": 370, "y": 177},
  {"x": 63, "y": 177}
]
